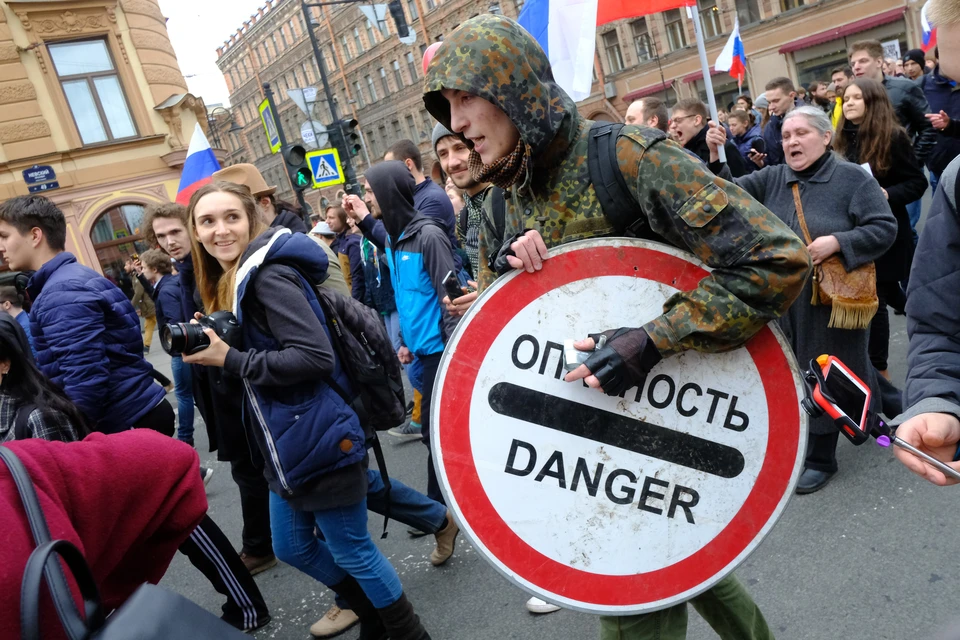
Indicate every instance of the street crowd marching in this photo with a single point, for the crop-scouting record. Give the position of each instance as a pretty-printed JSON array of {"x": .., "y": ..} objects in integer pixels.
[{"x": 249, "y": 301}]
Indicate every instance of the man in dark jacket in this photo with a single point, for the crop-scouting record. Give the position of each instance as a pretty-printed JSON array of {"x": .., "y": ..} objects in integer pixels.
[
  {"x": 429, "y": 198},
  {"x": 276, "y": 213},
  {"x": 347, "y": 247},
  {"x": 943, "y": 96},
  {"x": 86, "y": 332},
  {"x": 914, "y": 64},
  {"x": 931, "y": 421},
  {"x": 419, "y": 255},
  {"x": 866, "y": 59},
  {"x": 782, "y": 98},
  {"x": 689, "y": 126}
]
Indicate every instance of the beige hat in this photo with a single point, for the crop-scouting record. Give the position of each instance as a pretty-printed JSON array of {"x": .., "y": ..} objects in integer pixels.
[{"x": 247, "y": 175}]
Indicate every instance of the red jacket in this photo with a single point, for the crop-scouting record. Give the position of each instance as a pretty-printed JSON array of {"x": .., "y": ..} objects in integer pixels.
[{"x": 127, "y": 501}]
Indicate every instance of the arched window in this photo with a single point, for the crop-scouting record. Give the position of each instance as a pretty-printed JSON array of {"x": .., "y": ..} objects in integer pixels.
[{"x": 116, "y": 236}]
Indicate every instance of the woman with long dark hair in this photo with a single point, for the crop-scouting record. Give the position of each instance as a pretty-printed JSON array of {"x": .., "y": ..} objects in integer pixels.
[
  {"x": 311, "y": 440},
  {"x": 30, "y": 406},
  {"x": 869, "y": 133}
]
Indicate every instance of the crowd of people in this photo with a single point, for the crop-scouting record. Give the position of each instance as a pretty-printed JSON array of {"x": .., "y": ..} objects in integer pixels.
[{"x": 834, "y": 171}]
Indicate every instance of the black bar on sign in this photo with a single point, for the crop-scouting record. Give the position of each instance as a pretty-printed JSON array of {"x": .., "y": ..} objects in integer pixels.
[{"x": 616, "y": 430}]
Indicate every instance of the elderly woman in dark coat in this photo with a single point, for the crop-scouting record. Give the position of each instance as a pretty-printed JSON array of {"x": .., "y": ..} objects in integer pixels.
[{"x": 847, "y": 214}]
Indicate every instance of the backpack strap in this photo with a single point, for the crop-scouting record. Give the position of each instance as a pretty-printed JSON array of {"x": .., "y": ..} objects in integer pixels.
[
  {"x": 498, "y": 207},
  {"x": 618, "y": 204},
  {"x": 21, "y": 426}
]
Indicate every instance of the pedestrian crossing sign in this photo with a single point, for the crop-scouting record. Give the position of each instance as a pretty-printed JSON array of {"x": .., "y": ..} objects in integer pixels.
[{"x": 325, "y": 167}]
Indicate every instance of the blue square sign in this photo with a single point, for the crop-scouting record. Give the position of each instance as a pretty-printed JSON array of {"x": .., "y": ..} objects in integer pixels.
[{"x": 325, "y": 167}]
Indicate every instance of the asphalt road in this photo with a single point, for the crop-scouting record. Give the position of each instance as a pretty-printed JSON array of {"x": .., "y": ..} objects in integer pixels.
[{"x": 870, "y": 557}]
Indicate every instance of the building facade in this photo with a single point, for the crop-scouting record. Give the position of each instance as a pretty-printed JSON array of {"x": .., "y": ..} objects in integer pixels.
[
  {"x": 801, "y": 39},
  {"x": 374, "y": 77},
  {"x": 377, "y": 79},
  {"x": 93, "y": 98}
]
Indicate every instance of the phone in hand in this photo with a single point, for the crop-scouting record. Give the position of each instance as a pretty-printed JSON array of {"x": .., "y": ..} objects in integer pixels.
[
  {"x": 759, "y": 145},
  {"x": 452, "y": 286}
]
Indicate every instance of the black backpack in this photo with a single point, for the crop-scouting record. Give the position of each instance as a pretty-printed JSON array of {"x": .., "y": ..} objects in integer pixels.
[
  {"x": 366, "y": 354},
  {"x": 618, "y": 204}
]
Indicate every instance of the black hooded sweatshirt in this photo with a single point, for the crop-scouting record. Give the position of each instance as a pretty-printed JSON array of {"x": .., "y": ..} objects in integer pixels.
[{"x": 410, "y": 232}]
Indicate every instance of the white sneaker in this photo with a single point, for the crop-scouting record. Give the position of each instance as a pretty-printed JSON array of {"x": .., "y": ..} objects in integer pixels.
[
  {"x": 206, "y": 473},
  {"x": 536, "y": 605}
]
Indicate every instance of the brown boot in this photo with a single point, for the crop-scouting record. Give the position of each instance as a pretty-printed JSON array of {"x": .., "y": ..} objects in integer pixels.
[
  {"x": 401, "y": 622},
  {"x": 446, "y": 542},
  {"x": 258, "y": 564}
]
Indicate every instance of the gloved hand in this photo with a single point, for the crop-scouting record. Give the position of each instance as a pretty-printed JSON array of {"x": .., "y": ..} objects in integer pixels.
[
  {"x": 624, "y": 361},
  {"x": 525, "y": 251}
]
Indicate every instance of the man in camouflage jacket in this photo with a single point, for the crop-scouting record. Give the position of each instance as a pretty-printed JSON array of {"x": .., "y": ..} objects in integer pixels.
[{"x": 491, "y": 83}]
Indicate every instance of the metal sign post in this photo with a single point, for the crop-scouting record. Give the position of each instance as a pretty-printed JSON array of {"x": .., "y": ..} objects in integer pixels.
[
  {"x": 694, "y": 15},
  {"x": 611, "y": 505}
]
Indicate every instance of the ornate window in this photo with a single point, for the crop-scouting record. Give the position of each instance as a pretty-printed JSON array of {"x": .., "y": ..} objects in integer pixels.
[{"x": 93, "y": 90}]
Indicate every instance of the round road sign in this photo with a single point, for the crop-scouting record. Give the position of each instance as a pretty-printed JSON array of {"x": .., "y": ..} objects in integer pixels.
[{"x": 613, "y": 505}]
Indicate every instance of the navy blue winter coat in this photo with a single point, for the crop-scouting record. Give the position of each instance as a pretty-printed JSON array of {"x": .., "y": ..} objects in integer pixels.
[
  {"x": 88, "y": 342},
  {"x": 303, "y": 427},
  {"x": 943, "y": 95},
  {"x": 166, "y": 298}
]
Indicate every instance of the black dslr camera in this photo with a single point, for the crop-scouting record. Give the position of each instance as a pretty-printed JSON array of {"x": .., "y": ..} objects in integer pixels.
[{"x": 185, "y": 338}]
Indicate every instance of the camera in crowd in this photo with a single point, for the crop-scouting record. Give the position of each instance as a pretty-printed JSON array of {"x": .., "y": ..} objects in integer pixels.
[{"x": 186, "y": 338}]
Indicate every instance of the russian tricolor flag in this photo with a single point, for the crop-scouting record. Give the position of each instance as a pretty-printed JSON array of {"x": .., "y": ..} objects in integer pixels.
[
  {"x": 733, "y": 59},
  {"x": 929, "y": 31},
  {"x": 198, "y": 168},
  {"x": 567, "y": 32}
]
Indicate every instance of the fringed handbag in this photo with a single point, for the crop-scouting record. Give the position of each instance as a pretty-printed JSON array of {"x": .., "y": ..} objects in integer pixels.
[{"x": 852, "y": 295}]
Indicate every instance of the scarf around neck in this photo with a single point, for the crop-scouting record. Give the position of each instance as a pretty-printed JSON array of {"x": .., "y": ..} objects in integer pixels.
[{"x": 504, "y": 172}]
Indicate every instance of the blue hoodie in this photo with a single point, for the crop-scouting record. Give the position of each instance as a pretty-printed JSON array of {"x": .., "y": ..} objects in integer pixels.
[{"x": 303, "y": 427}]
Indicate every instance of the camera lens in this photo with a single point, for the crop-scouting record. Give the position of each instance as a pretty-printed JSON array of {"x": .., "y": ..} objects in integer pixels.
[{"x": 183, "y": 339}]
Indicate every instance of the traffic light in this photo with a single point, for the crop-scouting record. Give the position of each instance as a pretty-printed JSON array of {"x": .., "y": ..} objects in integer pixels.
[
  {"x": 396, "y": 10},
  {"x": 297, "y": 166},
  {"x": 351, "y": 136}
]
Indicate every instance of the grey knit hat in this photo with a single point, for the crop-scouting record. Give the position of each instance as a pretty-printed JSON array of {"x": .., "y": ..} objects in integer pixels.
[{"x": 439, "y": 132}]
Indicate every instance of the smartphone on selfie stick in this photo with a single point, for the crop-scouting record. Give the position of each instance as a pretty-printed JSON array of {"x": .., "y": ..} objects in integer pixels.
[{"x": 834, "y": 389}]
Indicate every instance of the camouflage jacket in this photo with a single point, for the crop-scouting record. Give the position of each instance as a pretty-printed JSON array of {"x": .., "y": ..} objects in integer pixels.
[{"x": 759, "y": 265}]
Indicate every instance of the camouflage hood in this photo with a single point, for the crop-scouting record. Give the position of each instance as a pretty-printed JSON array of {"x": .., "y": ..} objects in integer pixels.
[{"x": 495, "y": 58}]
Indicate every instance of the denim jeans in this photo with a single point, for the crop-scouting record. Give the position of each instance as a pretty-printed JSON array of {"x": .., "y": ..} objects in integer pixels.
[
  {"x": 392, "y": 322},
  {"x": 407, "y": 505},
  {"x": 346, "y": 549},
  {"x": 183, "y": 389},
  {"x": 727, "y": 607},
  {"x": 913, "y": 212}
]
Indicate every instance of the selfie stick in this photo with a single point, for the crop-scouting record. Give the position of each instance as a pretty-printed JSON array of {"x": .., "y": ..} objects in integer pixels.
[{"x": 886, "y": 441}]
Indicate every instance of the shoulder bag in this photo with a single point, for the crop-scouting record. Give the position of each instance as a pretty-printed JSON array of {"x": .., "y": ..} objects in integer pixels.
[
  {"x": 150, "y": 613},
  {"x": 851, "y": 294}
]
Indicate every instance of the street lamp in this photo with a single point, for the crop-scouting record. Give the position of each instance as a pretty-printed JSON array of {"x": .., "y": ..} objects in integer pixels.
[{"x": 214, "y": 129}]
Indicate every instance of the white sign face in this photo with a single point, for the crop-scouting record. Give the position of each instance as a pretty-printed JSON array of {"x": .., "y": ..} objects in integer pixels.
[
  {"x": 611, "y": 504},
  {"x": 891, "y": 49},
  {"x": 314, "y": 134}
]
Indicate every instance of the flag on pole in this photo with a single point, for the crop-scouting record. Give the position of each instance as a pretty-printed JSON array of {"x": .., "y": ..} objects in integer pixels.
[
  {"x": 929, "y": 31},
  {"x": 567, "y": 32},
  {"x": 198, "y": 168},
  {"x": 733, "y": 59}
]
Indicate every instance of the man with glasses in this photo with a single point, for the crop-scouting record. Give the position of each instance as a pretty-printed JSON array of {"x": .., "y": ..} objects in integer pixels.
[{"x": 689, "y": 128}]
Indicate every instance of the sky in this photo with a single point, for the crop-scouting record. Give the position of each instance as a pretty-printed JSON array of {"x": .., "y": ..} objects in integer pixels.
[{"x": 197, "y": 28}]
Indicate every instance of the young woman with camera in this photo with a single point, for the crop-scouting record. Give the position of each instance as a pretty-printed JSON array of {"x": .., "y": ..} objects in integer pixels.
[{"x": 312, "y": 442}]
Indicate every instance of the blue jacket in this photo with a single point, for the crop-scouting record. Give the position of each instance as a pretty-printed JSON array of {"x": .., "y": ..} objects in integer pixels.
[
  {"x": 348, "y": 244},
  {"x": 743, "y": 146},
  {"x": 418, "y": 265},
  {"x": 943, "y": 95},
  {"x": 88, "y": 342},
  {"x": 166, "y": 299},
  {"x": 301, "y": 427}
]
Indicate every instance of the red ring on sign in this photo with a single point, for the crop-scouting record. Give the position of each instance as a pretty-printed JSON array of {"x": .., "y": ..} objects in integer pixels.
[{"x": 528, "y": 563}]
